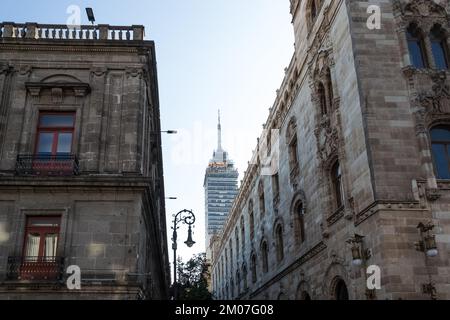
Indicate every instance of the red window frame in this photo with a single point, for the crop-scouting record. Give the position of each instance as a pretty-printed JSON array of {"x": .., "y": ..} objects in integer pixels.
[
  {"x": 40, "y": 267},
  {"x": 55, "y": 130}
]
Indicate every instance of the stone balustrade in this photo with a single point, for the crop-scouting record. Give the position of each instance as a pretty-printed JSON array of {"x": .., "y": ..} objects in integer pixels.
[{"x": 11, "y": 30}]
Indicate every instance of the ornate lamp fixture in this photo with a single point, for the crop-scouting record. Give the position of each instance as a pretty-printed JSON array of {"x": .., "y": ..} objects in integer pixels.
[
  {"x": 428, "y": 242},
  {"x": 359, "y": 253}
]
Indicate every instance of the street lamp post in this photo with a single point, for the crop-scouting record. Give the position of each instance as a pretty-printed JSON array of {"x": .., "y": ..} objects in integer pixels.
[{"x": 186, "y": 217}]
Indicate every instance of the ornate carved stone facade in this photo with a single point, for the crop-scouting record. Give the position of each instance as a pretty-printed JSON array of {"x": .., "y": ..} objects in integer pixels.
[
  {"x": 81, "y": 179},
  {"x": 362, "y": 113}
]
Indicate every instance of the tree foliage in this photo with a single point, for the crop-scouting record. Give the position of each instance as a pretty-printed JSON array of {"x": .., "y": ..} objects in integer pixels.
[{"x": 193, "y": 278}]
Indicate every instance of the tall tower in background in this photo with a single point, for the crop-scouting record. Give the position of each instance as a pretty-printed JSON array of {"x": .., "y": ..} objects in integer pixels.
[{"x": 220, "y": 190}]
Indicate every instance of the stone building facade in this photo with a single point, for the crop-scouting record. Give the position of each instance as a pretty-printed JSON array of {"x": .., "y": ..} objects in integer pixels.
[
  {"x": 358, "y": 176},
  {"x": 81, "y": 181}
]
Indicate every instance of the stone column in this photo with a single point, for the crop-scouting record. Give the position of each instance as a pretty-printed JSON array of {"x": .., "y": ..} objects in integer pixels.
[
  {"x": 92, "y": 134},
  {"x": 16, "y": 111},
  {"x": 5, "y": 87}
]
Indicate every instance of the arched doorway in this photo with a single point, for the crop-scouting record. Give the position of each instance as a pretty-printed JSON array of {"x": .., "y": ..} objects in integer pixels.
[
  {"x": 305, "y": 296},
  {"x": 340, "y": 291}
]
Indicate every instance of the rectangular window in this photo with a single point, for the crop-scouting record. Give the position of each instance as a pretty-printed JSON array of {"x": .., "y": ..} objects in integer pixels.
[
  {"x": 55, "y": 133},
  {"x": 39, "y": 259},
  {"x": 41, "y": 238}
]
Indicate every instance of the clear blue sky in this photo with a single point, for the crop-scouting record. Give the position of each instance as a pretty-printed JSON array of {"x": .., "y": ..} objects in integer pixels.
[{"x": 227, "y": 54}]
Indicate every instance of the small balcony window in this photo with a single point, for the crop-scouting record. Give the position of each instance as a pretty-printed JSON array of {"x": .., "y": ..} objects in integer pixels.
[
  {"x": 39, "y": 260},
  {"x": 53, "y": 150}
]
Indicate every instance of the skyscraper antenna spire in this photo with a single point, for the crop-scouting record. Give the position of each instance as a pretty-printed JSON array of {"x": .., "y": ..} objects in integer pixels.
[{"x": 219, "y": 134}]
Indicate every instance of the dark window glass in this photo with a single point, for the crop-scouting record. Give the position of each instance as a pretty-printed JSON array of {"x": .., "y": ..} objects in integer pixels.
[
  {"x": 341, "y": 291},
  {"x": 55, "y": 134},
  {"x": 323, "y": 99},
  {"x": 313, "y": 10},
  {"x": 416, "y": 47},
  {"x": 265, "y": 256},
  {"x": 440, "y": 140},
  {"x": 439, "y": 47},
  {"x": 301, "y": 221},
  {"x": 56, "y": 120},
  {"x": 337, "y": 185}
]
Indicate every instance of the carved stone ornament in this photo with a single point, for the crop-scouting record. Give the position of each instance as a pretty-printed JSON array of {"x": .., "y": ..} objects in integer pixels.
[
  {"x": 99, "y": 71},
  {"x": 5, "y": 68},
  {"x": 433, "y": 194},
  {"x": 419, "y": 8},
  {"x": 80, "y": 89},
  {"x": 328, "y": 140},
  {"x": 433, "y": 104}
]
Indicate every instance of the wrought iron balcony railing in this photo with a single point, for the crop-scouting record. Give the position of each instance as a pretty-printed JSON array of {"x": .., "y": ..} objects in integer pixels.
[
  {"x": 35, "y": 268},
  {"x": 47, "y": 165}
]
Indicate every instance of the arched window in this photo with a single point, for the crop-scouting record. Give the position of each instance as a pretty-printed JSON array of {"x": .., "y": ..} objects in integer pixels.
[
  {"x": 253, "y": 267},
  {"x": 265, "y": 256},
  {"x": 341, "y": 292},
  {"x": 276, "y": 189},
  {"x": 330, "y": 89},
  {"x": 262, "y": 200},
  {"x": 416, "y": 46},
  {"x": 236, "y": 232},
  {"x": 291, "y": 139},
  {"x": 231, "y": 256},
  {"x": 439, "y": 47},
  {"x": 251, "y": 217},
  {"x": 242, "y": 233},
  {"x": 336, "y": 178},
  {"x": 313, "y": 10},
  {"x": 440, "y": 143},
  {"x": 279, "y": 242},
  {"x": 322, "y": 98},
  {"x": 244, "y": 275},
  {"x": 300, "y": 221},
  {"x": 226, "y": 263},
  {"x": 238, "y": 282},
  {"x": 269, "y": 142}
]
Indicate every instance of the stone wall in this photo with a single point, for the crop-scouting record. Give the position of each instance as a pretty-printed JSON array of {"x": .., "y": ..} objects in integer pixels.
[
  {"x": 387, "y": 177},
  {"x": 113, "y": 217}
]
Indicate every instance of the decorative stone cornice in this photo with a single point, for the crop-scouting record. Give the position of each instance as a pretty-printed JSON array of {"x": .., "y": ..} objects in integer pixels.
[{"x": 80, "y": 89}]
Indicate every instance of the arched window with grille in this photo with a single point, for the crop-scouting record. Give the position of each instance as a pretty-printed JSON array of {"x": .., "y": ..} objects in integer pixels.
[
  {"x": 330, "y": 96},
  {"x": 242, "y": 232},
  {"x": 416, "y": 46},
  {"x": 251, "y": 217},
  {"x": 279, "y": 242},
  {"x": 336, "y": 179},
  {"x": 440, "y": 144},
  {"x": 253, "y": 265},
  {"x": 265, "y": 256},
  {"x": 291, "y": 140},
  {"x": 299, "y": 217},
  {"x": 262, "y": 200},
  {"x": 236, "y": 233},
  {"x": 438, "y": 38},
  {"x": 322, "y": 98},
  {"x": 244, "y": 276}
]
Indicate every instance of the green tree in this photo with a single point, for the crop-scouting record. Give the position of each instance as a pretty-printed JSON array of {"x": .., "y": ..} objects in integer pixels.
[{"x": 193, "y": 279}]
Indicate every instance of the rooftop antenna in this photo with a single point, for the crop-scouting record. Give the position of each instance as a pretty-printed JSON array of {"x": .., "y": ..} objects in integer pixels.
[{"x": 90, "y": 15}]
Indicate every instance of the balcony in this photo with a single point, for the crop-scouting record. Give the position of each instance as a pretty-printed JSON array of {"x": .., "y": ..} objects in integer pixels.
[
  {"x": 47, "y": 165},
  {"x": 35, "y": 268},
  {"x": 11, "y": 30}
]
